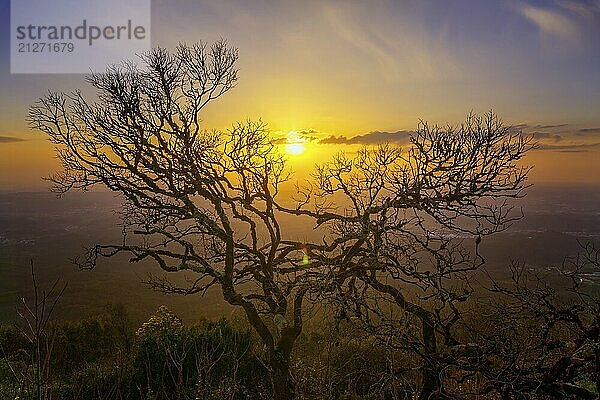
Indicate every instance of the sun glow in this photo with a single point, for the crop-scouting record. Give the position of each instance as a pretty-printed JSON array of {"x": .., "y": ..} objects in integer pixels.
[
  {"x": 295, "y": 143},
  {"x": 294, "y": 148}
]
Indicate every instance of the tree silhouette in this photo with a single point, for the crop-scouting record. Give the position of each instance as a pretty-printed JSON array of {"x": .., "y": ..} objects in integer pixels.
[
  {"x": 541, "y": 336},
  {"x": 194, "y": 200},
  {"x": 395, "y": 222},
  {"x": 405, "y": 228}
]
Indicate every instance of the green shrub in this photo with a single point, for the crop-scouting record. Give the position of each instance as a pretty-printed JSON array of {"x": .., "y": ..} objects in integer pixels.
[{"x": 212, "y": 359}]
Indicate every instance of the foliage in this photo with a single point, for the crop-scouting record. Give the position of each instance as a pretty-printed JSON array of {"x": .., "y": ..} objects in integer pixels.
[
  {"x": 102, "y": 357},
  {"x": 214, "y": 359}
]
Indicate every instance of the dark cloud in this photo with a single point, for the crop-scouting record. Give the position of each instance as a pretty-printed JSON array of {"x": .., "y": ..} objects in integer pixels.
[
  {"x": 10, "y": 139},
  {"x": 307, "y": 131},
  {"x": 550, "y": 126},
  {"x": 516, "y": 129},
  {"x": 569, "y": 148},
  {"x": 334, "y": 140},
  {"x": 590, "y": 130},
  {"x": 547, "y": 135},
  {"x": 539, "y": 128},
  {"x": 310, "y": 135},
  {"x": 374, "y": 137},
  {"x": 553, "y": 139}
]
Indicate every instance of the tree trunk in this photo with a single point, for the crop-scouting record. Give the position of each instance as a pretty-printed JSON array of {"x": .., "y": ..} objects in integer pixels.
[
  {"x": 431, "y": 378},
  {"x": 430, "y": 370},
  {"x": 278, "y": 354},
  {"x": 283, "y": 384}
]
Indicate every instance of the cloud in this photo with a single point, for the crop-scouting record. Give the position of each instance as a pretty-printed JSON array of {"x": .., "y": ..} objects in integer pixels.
[
  {"x": 519, "y": 128},
  {"x": 389, "y": 45},
  {"x": 560, "y": 137},
  {"x": 569, "y": 148},
  {"x": 547, "y": 135},
  {"x": 334, "y": 140},
  {"x": 10, "y": 139},
  {"x": 374, "y": 137},
  {"x": 303, "y": 135},
  {"x": 551, "y": 22},
  {"x": 589, "y": 130},
  {"x": 588, "y": 9},
  {"x": 551, "y": 126}
]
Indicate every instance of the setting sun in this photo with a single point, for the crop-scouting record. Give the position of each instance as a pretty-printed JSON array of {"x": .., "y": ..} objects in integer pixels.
[
  {"x": 295, "y": 143},
  {"x": 294, "y": 148}
]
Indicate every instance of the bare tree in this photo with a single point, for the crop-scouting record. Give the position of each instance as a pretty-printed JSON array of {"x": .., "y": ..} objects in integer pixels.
[
  {"x": 36, "y": 316},
  {"x": 195, "y": 200},
  {"x": 207, "y": 202},
  {"x": 539, "y": 335},
  {"x": 405, "y": 226}
]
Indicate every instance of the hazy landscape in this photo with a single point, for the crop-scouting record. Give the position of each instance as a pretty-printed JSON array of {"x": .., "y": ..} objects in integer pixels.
[{"x": 52, "y": 231}]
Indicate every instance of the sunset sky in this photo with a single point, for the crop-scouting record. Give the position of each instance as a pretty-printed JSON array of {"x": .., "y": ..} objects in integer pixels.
[{"x": 345, "y": 73}]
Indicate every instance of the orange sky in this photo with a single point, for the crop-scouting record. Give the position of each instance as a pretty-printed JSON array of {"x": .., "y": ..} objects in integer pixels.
[
  {"x": 334, "y": 70},
  {"x": 24, "y": 163}
]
